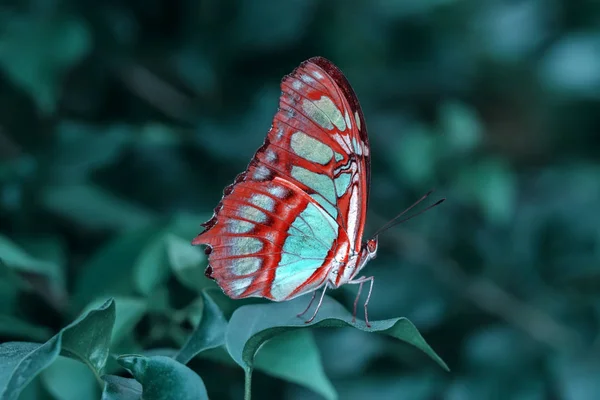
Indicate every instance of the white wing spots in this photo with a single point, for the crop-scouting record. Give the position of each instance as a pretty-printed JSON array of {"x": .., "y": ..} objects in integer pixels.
[
  {"x": 238, "y": 286},
  {"x": 318, "y": 75},
  {"x": 357, "y": 146},
  {"x": 270, "y": 156},
  {"x": 325, "y": 204},
  {"x": 321, "y": 184},
  {"x": 353, "y": 216},
  {"x": 279, "y": 134},
  {"x": 347, "y": 119},
  {"x": 245, "y": 265},
  {"x": 357, "y": 119},
  {"x": 365, "y": 149},
  {"x": 307, "y": 79},
  {"x": 342, "y": 183},
  {"x": 261, "y": 173},
  {"x": 237, "y": 226},
  {"x": 310, "y": 149},
  {"x": 252, "y": 213},
  {"x": 331, "y": 111},
  {"x": 314, "y": 113},
  {"x": 297, "y": 85},
  {"x": 278, "y": 191},
  {"x": 240, "y": 246},
  {"x": 338, "y": 157},
  {"x": 338, "y": 138},
  {"x": 263, "y": 201}
]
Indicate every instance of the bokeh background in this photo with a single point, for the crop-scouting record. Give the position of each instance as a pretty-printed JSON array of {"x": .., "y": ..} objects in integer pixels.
[{"x": 122, "y": 121}]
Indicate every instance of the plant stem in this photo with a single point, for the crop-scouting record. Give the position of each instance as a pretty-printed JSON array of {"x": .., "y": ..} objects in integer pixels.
[{"x": 247, "y": 383}]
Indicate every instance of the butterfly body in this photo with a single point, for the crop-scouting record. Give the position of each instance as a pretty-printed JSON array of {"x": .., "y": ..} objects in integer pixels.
[{"x": 293, "y": 221}]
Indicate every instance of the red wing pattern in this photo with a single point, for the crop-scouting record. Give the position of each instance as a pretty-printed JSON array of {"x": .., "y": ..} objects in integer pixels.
[{"x": 291, "y": 220}]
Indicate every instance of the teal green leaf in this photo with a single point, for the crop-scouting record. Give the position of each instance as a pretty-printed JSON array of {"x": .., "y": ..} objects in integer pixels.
[
  {"x": 35, "y": 54},
  {"x": 151, "y": 267},
  {"x": 116, "y": 258},
  {"x": 209, "y": 333},
  {"x": 129, "y": 311},
  {"x": 87, "y": 339},
  {"x": 20, "y": 362},
  {"x": 286, "y": 354},
  {"x": 119, "y": 388},
  {"x": 68, "y": 379},
  {"x": 187, "y": 262},
  {"x": 94, "y": 207},
  {"x": 15, "y": 327},
  {"x": 251, "y": 326},
  {"x": 18, "y": 260},
  {"x": 164, "y": 378}
]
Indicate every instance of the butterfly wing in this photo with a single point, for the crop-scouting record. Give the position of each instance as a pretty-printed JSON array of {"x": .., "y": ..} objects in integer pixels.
[{"x": 297, "y": 213}]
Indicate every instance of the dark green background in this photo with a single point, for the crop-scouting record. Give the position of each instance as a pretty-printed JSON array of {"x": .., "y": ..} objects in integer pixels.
[{"x": 122, "y": 119}]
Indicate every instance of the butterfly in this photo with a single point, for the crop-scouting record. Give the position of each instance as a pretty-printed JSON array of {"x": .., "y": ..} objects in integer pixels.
[{"x": 293, "y": 221}]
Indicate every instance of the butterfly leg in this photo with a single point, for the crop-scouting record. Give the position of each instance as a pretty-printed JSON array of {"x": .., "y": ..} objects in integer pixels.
[
  {"x": 356, "y": 301},
  {"x": 360, "y": 281},
  {"x": 309, "y": 304},
  {"x": 318, "y": 305}
]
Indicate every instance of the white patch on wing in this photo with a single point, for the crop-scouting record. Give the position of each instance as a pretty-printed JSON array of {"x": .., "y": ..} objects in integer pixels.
[
  {"x": 357, "y": 119},
  {"x": 338, "y": 138},
  {"x": 318, "y": 75},
  {"x": 270, "y": 156},
  {"x": 238, "y": 286},
  {"x": 278, "y": 191},
  {"x": 297, "y": 85},
  {"x": 347, "y": 118},
  {"x": 353, "y": 216},
  {"x": 261, "y": 173},
  {"x": 245, "y": 265}
]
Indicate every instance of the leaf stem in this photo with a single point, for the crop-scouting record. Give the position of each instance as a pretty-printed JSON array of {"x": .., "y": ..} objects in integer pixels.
[{"x": 247, "y": 383}]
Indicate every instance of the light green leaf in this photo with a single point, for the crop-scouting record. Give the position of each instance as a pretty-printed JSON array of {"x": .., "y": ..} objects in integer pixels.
[
  {"x": 18, "y": 260},
  {"x": 35, "y": 54},
  {"x": 67, "y": 379},
  {"x": 285, "y": 355},
  {"x": 119, "y": 388},
  {"x": 164, "y": 378},
  {"x": 151, "y": 267},
  {"x": 251, "y": 326},
  {"x": 15, "y": 327},
  {"x": 94, "y": 207},
  {"x": 116, "y": 258},
  {"x": 209, "y": 333},
  {"x": 187, "y": 262},
  {"x": 129, "y": 311},
  {"x": 87, "y": 339}
]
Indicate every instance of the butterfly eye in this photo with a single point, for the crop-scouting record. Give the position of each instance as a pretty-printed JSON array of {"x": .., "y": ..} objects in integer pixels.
[{"x": 372, "y": 245}]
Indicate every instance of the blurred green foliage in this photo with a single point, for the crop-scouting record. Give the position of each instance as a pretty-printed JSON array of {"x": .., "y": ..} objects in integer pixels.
[{"x": 122, "y": 121}]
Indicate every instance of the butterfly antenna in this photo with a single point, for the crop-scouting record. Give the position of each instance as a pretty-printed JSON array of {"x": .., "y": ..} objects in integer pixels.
[{"x": 396, "y": 220}]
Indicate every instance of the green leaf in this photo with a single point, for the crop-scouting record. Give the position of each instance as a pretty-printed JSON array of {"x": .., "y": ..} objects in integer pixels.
[
  {"x": 129, "y": 311},
  {"x": 251, "y": 326},
  {"x": 86, "y": 339},
  {"x": 67, "y": 379},
  {"x": 187, "y": 262},
  {"x": 286, "y": 354},
  {"x": 18, "y": 328},
  {"x": 151, "y": 267},
  {"x": 119, "y": 388},
  {"x": 18, "y": 260},
  {"x": 164, "y": 378},
  {"x": 36, "y": 53},
  {"x": 209, "y": 333},
  {"x": 97, "y": 276},
  {"x": 94, "y": 207}
]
